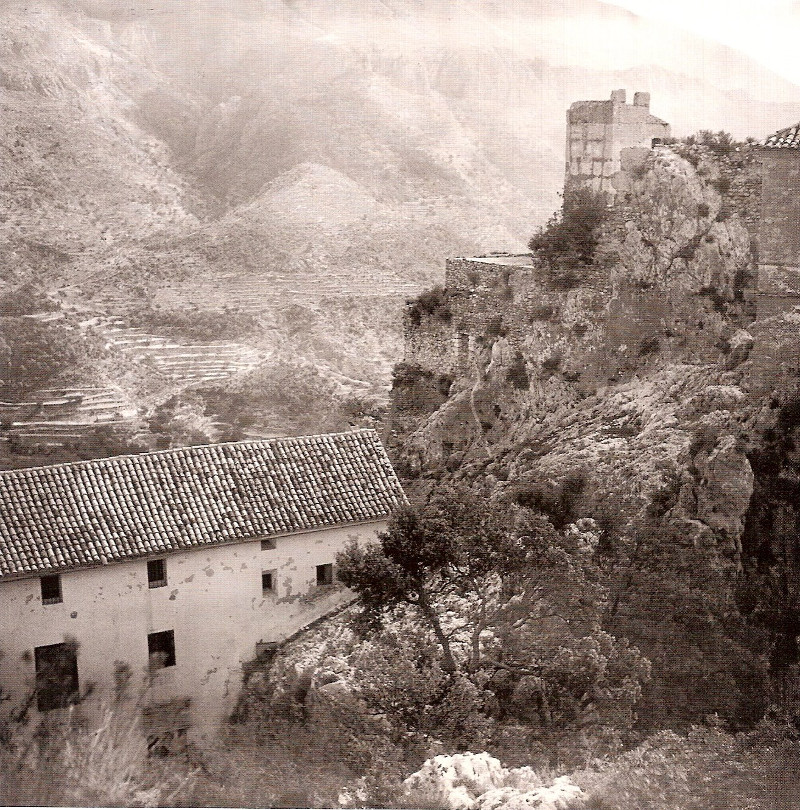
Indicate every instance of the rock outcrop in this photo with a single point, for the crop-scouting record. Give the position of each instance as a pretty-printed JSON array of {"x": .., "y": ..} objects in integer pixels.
[{"x": 479, "y": 782}]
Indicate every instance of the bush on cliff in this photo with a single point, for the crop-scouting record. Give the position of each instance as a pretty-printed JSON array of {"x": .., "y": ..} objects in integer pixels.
[
  {"x": 431, "y": 303},
  {"x": 566, "y": 246}
]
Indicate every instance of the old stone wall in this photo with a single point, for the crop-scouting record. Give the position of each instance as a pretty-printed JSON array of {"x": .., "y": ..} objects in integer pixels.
[
  {"x": 429, "y": 343},
  {"x": 743, "y": 180},
  {"x": 598, "y": 132},
  {"x": 779, "y": 236},
  {"x": 779, "y": 233},
  {"x": 505, "y": 301}
]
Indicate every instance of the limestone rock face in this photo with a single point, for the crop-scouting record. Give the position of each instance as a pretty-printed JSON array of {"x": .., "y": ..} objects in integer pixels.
[
  {"x": 741, "y": 343},
  {"x": 725, "y": 488},
  {"x": 561, "y": 795},
  {"x": 479, "y": 782}
]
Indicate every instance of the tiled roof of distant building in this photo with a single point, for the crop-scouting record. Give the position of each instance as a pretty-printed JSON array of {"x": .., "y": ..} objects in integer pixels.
[
  {"x": 788, "y": 138},
  {"x": 107, "y": 510}
]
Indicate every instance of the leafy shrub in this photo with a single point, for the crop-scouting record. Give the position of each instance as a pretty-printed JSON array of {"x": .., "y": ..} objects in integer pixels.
[
  {"x": 33, "y": 354},
  {"x": 566, "y": 245},
  {"x": 417, "y": 388},
  {"x": 68, "y": 763},
  {"x": 649, "y": 345},
  {"x": 557, "y": 501},
  {"x": 195, "y": 324},
  {"x": 25, "y": 300},
  {"x": 408, "y": 374},
  {"x": 722, "y": 184},
  {"x": 721, "y": 142},
  {"x": 517, "y": 373},
  {"x": 707, "y": 768},
  {"x": 431, "y": 303},
  {"x": 552, "y": 363},
  {"x": 718, "y": 300}
]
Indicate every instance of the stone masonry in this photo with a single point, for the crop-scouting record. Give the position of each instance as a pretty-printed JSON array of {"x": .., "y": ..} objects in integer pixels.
[
  {"x": 598, "y": 132},
  {"x": 779, "y": 227}
]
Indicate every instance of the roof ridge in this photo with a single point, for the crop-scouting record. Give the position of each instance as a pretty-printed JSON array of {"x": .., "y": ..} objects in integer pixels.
[{"x": 175, "y": 450}]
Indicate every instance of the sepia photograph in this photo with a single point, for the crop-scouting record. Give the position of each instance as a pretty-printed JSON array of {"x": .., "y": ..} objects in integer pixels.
[{"x": 400, "y": 404}]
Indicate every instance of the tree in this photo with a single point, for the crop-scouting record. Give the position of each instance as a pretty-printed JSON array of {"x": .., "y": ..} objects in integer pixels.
[
  {"x": 471, "y": 573},
  {"x": 512, "y": 608}
]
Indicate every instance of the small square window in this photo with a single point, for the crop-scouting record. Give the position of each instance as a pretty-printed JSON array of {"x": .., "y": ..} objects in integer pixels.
[
  {"x": 325, "y": 574},
  {"x": 156, "y": 573},
  {"x": 267, "y": 545},
  {"x": 161, "y": 649},
  {"x": 51, "y": 589},
  {"x": 269, "y": 582}
]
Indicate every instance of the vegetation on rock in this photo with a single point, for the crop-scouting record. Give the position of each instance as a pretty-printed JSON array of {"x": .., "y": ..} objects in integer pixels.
[{"x": 567, "y": 245}]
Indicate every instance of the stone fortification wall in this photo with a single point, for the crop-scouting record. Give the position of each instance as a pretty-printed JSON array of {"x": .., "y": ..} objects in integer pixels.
[
  {"x": 778, "y": 232},
  {"x": 503, "y": 305},
  {"x": 672, "y": 267},
  {"x": 428, "y": 344},
  {"x": 743, "y": 188}
]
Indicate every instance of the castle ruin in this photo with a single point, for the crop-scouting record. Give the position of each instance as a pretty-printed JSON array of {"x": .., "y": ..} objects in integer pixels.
[
  {"x": 603, "y": 136},
  {"x": 499, "y": 310}
]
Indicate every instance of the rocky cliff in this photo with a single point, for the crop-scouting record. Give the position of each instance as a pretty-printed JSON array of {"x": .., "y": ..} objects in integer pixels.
[
  {"x": 616, "y": 373},
  {"x": 643, "y": 393}
]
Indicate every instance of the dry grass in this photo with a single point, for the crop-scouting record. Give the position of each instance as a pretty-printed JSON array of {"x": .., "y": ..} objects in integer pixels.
[
  {"x": 708, "y": 769},
  {"x": 64, "y": 763}
]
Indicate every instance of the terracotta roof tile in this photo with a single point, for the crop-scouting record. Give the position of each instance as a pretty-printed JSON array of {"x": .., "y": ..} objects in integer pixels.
[
  {"x": 788, "y": 138},
  {"x": 94, "y": 512}
]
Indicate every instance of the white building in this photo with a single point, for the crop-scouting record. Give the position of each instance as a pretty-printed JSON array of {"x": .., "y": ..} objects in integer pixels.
[{"x": 177, "y": 564}]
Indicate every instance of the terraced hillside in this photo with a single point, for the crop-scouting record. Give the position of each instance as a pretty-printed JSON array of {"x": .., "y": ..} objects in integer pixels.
[{"x": 229, "y": 202}]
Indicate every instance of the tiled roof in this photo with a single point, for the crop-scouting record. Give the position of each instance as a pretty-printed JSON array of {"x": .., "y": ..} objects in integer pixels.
[
  {"x": 788, "y": 138},
  {"x": 96, "y": 512}
]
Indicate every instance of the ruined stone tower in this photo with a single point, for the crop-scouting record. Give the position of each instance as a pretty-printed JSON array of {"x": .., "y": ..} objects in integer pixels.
[{"x": 602, "y": 136}]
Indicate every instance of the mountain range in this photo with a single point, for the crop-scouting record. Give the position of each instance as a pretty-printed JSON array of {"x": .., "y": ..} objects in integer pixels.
[{"x": 331, "y": 148}]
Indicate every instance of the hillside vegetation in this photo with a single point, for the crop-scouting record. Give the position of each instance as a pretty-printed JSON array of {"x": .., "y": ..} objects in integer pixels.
[{"x": 280, "y": 163}]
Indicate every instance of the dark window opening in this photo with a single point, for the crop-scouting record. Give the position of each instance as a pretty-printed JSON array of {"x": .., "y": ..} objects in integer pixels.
[
  {"x": 266, "y": 651},
  {"x": 268, "y": 581},
  {"x": 267, "y": 545},
  {"x": 57, "y": 683},
  {"x": 657, "y": 142},
  {"x": 156, "y": 573},
  {"x": 161, "y": 649},
  {"x": 325, "y": 574},
  {"x": 51, "y": 589}
]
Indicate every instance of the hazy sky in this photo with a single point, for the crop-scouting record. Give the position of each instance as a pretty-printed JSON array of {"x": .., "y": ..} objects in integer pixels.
[{"x": 767, "y": 30}]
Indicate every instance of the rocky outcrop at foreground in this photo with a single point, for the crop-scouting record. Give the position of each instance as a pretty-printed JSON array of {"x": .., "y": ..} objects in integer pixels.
[{"x": 479, "y": 782}]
